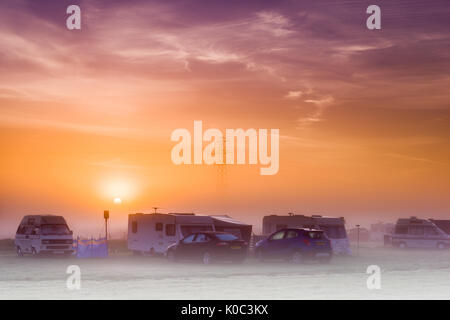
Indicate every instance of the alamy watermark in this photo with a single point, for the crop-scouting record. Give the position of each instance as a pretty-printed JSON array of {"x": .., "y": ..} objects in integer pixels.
[
  {"x": 221, "y": 148},
  {"x": 73, "y": 282},
  {"x": 374, "y": 279}
]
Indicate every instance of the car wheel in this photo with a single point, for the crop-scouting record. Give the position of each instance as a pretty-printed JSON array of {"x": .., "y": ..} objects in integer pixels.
[
  {"x": 441, "y": 246},
  {"x": 402, "y": 245},
  {"x": 297, "y": 257},
  {"x": 19, "y": 251},
  {"x": 207, "y": 259},
  {"x": 171, "y": 256}
]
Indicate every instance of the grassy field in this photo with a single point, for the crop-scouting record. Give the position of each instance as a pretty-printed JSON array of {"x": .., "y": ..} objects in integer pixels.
[{"x": 410, "y": 274}]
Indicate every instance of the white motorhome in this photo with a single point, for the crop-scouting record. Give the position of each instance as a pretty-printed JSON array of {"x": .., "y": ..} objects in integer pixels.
[
  {"x": 334, "y": 228},
  {"x": 420, "y": 233},
  {"x": 153, "y": 233},
  {"x": 43, "y": 234}
]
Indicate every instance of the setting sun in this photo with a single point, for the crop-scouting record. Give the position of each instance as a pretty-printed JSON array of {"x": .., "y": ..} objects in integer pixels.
[{"x": 117, "y": 200}]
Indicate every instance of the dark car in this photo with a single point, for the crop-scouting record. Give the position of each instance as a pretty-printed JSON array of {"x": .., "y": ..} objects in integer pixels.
[
  {"x": 209, "y": 246},
  {"x": 295, "y": 245}
]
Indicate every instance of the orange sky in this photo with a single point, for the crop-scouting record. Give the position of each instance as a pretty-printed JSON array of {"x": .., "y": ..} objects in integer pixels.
[{"x": 86, "y": 116}]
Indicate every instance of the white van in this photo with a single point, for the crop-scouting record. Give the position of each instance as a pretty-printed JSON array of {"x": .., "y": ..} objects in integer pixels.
[
  {"x": 153, "y": 233},
  {"x": 419, "y": 233},
  {"x": 43, "y": 234}
]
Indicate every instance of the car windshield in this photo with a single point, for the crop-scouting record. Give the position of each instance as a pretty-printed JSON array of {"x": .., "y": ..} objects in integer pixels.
[
  {"x": 226, "y": 237},
  {"x": 57, "y": 229}
]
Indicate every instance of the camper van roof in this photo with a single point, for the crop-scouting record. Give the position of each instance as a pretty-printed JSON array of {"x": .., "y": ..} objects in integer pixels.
[{"x": 414, "y": 220}]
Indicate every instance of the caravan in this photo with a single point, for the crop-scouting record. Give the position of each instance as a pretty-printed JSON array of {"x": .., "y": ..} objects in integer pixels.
[
  {"x": 153, "y": 233},
  {"x": 334, "y": 228}
]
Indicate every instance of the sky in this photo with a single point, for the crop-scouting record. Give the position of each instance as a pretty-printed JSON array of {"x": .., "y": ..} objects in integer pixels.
[{"x": 87, "y": 115}]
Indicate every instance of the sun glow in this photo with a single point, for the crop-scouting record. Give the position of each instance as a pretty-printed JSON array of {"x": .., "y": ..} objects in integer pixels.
[{"x": 117, "y": 200}]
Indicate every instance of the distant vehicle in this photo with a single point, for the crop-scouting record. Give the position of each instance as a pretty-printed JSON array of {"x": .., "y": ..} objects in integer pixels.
[
  {"x": 153, "y": 233},
  {"x": 39, "y": 234},
  {"x": 209, "y": 246},
  {"x": 295, "y": 245},
  {"x": 334, "y": 228},
  {"x": 418, "y": 233}
]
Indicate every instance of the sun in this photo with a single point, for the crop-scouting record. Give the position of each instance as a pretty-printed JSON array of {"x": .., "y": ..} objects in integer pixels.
[{"x": 117, "y": 200}]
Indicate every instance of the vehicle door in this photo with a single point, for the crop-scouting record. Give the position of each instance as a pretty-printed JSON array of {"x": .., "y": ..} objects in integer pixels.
[
  {"x": 416, "y": 237},
  {"x": 26, "y": 242},
  {"x": 432, "y": 237},
  {"x": 185, "y": 246},
  {"x": 274, "y": 245},
  {"x": 202, "y": 243}
]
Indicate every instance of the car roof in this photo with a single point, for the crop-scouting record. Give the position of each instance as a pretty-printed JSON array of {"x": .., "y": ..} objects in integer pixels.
[{"x": 303, "y": 229}]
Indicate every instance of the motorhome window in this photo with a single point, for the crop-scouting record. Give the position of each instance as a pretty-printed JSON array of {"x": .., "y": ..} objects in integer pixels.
[
  {"x": 159, "y": 226},
  {"x": 416, "y": 230},
  {"x": 281, "y": 226},
  {"x": 291, "y": 234},
  {"x": 277, "y": 236},
  {"x": 57, "y": 229},
  {"x": 186, "y": 230},
  {"x": 134, "y": 227},
  {"x": 201, "y": 237},
  {"x": 189, "y": 239},
  {"x": 401, "y": 229},
  {"x": 226, "y": 237},
  {"x": 170, "y": 230}
]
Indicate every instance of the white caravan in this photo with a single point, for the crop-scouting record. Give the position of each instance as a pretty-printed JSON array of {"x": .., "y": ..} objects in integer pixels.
[
  {"x": 334, "y": 228},
  {"x": 153, "y": 233},
  {"x": 43, "y": 234}
]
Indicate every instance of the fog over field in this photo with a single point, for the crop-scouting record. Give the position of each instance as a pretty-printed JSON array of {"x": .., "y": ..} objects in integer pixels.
[{"x": 405, "y": 274}]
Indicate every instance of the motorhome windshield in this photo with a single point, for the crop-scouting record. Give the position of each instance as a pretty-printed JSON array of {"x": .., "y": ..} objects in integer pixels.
[
  {"x": 334, "y": 232},
  {"x": 55, "y": 229}
]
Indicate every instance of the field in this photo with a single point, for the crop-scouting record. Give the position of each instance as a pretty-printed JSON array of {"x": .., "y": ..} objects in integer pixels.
[{"x": 410, "y": 274}]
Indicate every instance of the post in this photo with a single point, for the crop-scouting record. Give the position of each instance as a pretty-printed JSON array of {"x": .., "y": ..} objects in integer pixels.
[
  {"x": 357, "y": 240},
  {"x": 106, "y": 216}
]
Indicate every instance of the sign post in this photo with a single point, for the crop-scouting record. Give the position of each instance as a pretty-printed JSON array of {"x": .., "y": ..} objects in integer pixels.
[{"x": 106, "y": 216}]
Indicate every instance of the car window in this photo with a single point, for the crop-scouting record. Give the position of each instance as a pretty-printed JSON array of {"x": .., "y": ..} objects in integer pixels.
[
  {"x": 430, "y": 231},
  {"x": 315, "y": 234},
  {"x": 189, "y": 238},
  {"x": 226, "y": 237},
  {"x": 201, "y": 237},
  {"x": 277, "y": 236},
  {"x": 291, "y": 234},
  {"x": 416, "y": 230}
]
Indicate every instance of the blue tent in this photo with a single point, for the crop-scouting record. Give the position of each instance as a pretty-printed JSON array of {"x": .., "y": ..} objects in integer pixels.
[{"x": 92, "y": 248}]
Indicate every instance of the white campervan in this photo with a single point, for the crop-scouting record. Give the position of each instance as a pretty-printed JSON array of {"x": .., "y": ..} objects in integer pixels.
[
  {"x": 420, "y": 233},
  {"x": 153, "y": 233},
  {"x": 43, "y": 234}
]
